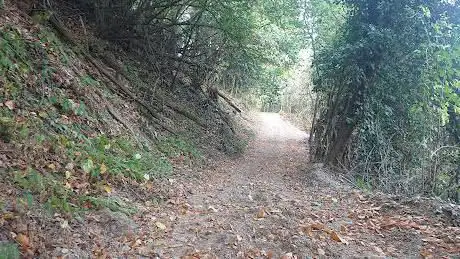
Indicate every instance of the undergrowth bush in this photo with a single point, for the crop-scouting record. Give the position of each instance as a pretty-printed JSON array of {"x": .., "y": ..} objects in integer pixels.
[
  {"x": 118, "y": 156},
  {"x": 49, "y": 189},
  {"x": 70, "y": 165},
  {"x": 175, "y": 147}
]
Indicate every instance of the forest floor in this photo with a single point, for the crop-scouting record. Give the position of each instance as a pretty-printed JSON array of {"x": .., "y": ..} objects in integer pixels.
[{"x": 270, "y": 203}]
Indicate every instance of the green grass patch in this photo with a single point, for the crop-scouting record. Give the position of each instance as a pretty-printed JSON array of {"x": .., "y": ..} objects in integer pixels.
[
  {"x": 174, "y": 147},
  {"x": 24, "y": 59},
  {"x": 54, "y": 45},
  {"x": 9, "y": 251},
  {"x": 50, "y": 189},
  {"x": 117, "y": 156},
  {"x": 14, "y": 62},
  {"x": 14, "y": 128},
  {"x": 362, "y": 184},
  {"x": 87, "y": 80}
]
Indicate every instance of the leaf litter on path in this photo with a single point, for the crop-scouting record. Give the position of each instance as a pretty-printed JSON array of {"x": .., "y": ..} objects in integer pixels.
[
  {"x": 232, "y": 209},
  {"x": 291, "y": 211}
]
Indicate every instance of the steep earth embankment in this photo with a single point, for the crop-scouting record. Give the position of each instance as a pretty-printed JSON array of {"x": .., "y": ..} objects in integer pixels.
[{"x": 83, "y": 142}]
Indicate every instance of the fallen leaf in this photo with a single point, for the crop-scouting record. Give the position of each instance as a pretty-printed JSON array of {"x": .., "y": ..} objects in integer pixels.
[
  {"x": 103, "y": 168},
  {"x": 328, "y": 231},
  {"x": 308, "y": 230},
  {"x": 65, "y": 224},
  {"x": 136, "y": 243},
  {"x": 68, "y": 174},
  {"x": 414, "y": 225},
  {"x": 287, "y": 256},
  {"x": 389, "y": 224},
  {"x": 65, "y": 120},
  {"x": 28, "y": 253},
  {"x": 87, "y": 166},
  {"x": 336, "y": 237},
  {"x": 52, "y": 166},
  {"x": 8, "y": 216},
  {"x": 107, "y": 188},
  {"x": 160, "y": 225},
  {"x": 69, "y": 166},
  {"x": 145, "y": 251},
  {"x": 9, "y": 104},
  {"x": 67, "y": 185},
  {"x": 81, "y": 185},
  {"x": 431, "y": 240},
  {"x": 43, "y": 114},
  {"x": 426, "y": 254},
  {"x": 23, "y": 240},
  {"x": 261, "y": 214},
  {"x": 317, "y": 226}
]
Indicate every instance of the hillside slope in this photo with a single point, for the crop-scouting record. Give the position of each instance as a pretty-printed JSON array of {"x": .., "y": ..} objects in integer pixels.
[{"x": 78, "y": 136}]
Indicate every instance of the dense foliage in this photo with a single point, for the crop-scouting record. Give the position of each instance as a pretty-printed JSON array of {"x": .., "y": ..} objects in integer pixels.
[
  {"x": 232, "y": 44},
  {"x": 378, "y": 80},
  {"x": 388, "y": 94}
]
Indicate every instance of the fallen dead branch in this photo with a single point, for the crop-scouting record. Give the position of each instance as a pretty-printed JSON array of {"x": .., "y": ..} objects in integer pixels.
[{"x": 229, "y": 101}]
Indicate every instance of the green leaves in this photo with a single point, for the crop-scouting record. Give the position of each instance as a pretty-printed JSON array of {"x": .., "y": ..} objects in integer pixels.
[
  {"x": 87, "y": 165},
  {"x": 393, "y": 71}
]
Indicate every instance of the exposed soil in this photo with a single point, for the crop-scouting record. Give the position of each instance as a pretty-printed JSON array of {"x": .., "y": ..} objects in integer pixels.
[
  {"x": 267, "y": 203},
  {"x": 271, "y": 203}
]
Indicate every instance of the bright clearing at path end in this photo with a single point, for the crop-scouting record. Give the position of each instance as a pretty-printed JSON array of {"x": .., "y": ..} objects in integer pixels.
[{"x": 273, "y": 127}]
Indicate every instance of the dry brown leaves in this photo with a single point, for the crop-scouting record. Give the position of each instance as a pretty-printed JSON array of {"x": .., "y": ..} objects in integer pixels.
[{"x": 438, "y": 237}]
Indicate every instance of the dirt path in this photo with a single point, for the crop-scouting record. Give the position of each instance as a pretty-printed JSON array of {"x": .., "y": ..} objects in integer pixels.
[
  {"x": 270, "y": 203},
  {"x": 267, "y": 203},
  {"x": 239, "y": 189}
]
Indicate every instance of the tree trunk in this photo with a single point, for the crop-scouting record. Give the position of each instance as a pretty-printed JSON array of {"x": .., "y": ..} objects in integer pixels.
[{"x": 337, "y": 150}]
